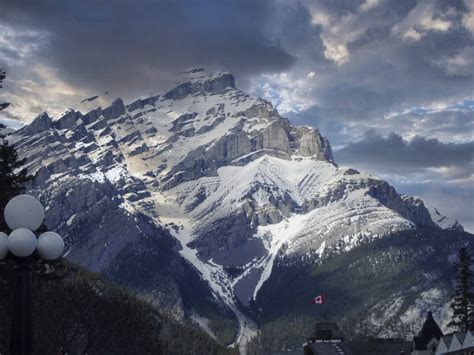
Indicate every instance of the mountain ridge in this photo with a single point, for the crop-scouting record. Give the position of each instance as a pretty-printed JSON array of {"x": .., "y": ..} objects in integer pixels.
[{"x": 218, "y": 177}]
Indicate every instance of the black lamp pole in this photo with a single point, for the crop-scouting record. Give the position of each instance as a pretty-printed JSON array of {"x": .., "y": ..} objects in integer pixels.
[
  {"x": 21, "y": 333},
  {"x": 24, "y": 214}
]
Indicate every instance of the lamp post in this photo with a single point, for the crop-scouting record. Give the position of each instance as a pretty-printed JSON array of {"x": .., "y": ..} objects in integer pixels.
[{"x": 24, "y": 214}]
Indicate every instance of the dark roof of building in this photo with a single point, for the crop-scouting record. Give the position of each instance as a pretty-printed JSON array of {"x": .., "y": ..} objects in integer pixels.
[
  {"x": 464, "y": 338},
  {"x": 461, "y": 336},
  {"x": 429, "y": 331},
  {"x": 447, "y": 340},
  {"x": 377, "y": 348},
  {"x": 327, "y": 331},
  {"x": 326, "y": 348}
]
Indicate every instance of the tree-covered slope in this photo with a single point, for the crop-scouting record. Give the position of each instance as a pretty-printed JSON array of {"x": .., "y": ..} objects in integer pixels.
[
  {"x": 381, "y": 288},
  {"x": 78, "y": 312}
]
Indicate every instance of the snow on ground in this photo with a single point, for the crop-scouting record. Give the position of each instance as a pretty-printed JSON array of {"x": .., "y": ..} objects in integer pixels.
[
  {"x": 203, "y": 322},
  {"x": 443, "y": 221},
  {"x": 433, "y": 299},
  {"x": 356, "y": 214},
  {"x": 214, "y": 274}
]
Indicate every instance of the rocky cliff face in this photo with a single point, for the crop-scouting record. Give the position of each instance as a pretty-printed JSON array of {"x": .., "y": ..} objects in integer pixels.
[
  {"x": 197, "y": 81},
  {"x": 210, "y": 174}
]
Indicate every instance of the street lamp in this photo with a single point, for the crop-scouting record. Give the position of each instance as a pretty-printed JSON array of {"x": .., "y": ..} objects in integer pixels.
[{"x": 24, "y": 214}]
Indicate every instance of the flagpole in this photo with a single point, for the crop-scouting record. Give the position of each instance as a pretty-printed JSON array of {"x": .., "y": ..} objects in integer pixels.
[
  {"x": 325, "y": 309},
  {"x": 321, "y": 299}
]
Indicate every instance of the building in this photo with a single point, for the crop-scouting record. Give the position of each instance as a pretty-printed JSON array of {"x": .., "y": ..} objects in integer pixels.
[
  {"x": 460, "y": 343},
  {"x": 427, "y": 340},
  {"x": 327, "y": 339}
]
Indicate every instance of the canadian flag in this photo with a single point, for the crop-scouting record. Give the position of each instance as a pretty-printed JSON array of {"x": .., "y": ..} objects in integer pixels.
[{"x": 321, "y": 299}]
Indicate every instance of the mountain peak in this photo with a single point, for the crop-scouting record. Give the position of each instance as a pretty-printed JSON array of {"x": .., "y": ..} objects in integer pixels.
[
  {"x": 193, "y": 70},
  {"x": 41, "y": 123},
  {"x": 197, "y": 80},
  {"x": 444, "y": 222}
]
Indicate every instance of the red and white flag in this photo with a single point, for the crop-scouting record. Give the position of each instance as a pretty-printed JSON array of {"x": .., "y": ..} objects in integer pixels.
[{"x": 321, "y": 299}]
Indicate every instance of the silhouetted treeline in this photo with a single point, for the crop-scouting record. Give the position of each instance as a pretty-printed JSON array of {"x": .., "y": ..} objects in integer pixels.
[{"x": 77, "y": 312}]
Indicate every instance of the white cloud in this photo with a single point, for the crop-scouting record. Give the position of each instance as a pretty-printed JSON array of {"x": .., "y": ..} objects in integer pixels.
[
  {"x": 369, "y": 5},
  {"x": 442, "y": 121},
  {"x": 335, "y": 35},
  {"x": 336, "y": 51},
  {"x": 17, "y": 46},
  {"x": 462, "y": 63},
  {"x": 44, "y": 92},
  {"x": 412, "y": 34},
  {"x": 32, "y": 86},
  {"x": 468, "y": 18},
  {"x": 420, "y": 21},
  {"x": 340, "y": 30},
  {"x": 288, "y": 92}
]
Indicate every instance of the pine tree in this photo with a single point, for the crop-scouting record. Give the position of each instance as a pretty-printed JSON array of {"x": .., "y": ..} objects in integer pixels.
[
  {"x": 3, "y": 74},
  {"x": 12, "y": 177},
  {"x": 462, "y": 304}
]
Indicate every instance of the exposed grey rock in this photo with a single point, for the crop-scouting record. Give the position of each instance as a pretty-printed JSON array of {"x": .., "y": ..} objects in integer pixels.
[
  {"x": 92, "y": 115},
  {"x": 140, "y": 103},
  {"x": 115, "y": 110},
  {"x": 411, "y": 208},
  {"x": 213, "y": 85},
  {"x": 275, "y": 136},
  {"x": 100, "y": 124},
  {"x": 230, "y": 242},
  {"x": 41, "y": 123},
  {"x": 183, "y": 120},
  {"x": 68, "y": 120},
  {"x": 130, "y": 138},
  {"x": 138, "y": 150},
  {"x": 151, "y": 130},
  {"x": 309, "y": 142}
]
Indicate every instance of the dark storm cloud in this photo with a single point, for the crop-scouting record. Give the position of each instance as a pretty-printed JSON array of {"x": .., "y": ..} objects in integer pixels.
[
  {"x": 136, "y": 46},
  {"x": 387, "y": 56},
  {"x": 440, "y": 173},
  {"x": 334, "y": 130},
  {"x": 347, "y": 67},
  {"x": 451, "y": 124},
  {"x": 382, "y": 77},
  {"x": 142, "y": 44},
  {"x": 448, "y": 125},
  {"x": 394, "y": 154}
]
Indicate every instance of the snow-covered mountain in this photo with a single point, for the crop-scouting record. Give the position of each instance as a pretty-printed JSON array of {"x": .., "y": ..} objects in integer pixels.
[
  {"x": 443, "y": 221},
  {"x": 203, "y": 182}
]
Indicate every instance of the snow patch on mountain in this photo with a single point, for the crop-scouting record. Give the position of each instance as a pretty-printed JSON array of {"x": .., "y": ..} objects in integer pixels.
[{"x": 443, "y": 221}]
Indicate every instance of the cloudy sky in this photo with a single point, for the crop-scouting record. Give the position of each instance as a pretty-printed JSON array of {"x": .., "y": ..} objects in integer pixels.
[{"x": 389, "y": 82}]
